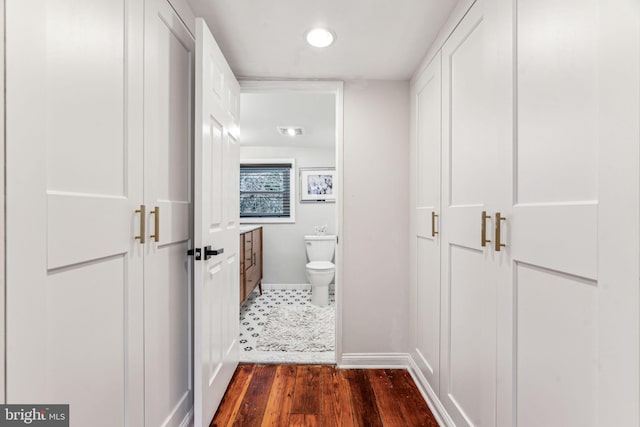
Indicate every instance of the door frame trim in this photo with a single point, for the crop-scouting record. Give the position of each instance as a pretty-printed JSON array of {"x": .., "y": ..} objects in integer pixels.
[{"x": 337, "y": 88}]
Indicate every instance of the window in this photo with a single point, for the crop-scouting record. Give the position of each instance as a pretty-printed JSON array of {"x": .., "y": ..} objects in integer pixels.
[{"x": 266, "y": 191}]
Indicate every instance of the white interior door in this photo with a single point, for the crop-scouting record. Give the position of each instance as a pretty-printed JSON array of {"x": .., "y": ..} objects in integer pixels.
[
  {"x": 74, "y": 180},
  {"x": 168, "y": 143},
  {"x": 216, "y": 289},
  {"x": 427, "y": 105},
  {"x": 467, "y": 384}
]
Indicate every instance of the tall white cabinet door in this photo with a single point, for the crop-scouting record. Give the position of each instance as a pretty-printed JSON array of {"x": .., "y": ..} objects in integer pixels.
[
  {"x": 572, "y": 210},
  {"x": 168, "y": 143},
  {"x": 467, "y": 381},
  {"x": 74, "y": 181},
  {"x": 216, "y": 290},
  {"x": 426, "y": 110}
]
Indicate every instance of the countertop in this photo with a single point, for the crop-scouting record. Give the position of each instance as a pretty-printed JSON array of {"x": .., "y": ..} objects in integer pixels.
[{"x": 248, "y": 227}]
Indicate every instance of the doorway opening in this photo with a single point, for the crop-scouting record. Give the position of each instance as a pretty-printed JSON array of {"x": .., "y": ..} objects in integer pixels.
[{"x": 291, "y": 199}]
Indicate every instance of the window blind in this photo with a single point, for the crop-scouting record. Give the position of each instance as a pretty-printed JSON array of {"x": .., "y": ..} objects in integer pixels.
[{"x": 265, "y": 190}]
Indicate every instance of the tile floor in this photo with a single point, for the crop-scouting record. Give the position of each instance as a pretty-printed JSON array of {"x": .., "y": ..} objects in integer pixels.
[{"x": 253, "y": 316}]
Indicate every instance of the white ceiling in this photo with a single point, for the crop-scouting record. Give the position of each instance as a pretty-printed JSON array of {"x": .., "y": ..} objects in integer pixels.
[
  {"x": 261, "y": 113},
  {"x": 376, "y": 39}
]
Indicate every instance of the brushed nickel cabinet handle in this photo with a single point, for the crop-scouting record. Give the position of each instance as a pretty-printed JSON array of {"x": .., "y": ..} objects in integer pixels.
[
  {"x": 156, "y": 220},
  {"x": 483, "y": 237},
  {"x": 499, "y": 219},
  {"x": 143, "y": 217},
  {"x": 433, "y": 224}
]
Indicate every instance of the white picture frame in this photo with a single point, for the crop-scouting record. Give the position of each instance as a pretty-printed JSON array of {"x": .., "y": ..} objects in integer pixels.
[{"x": 318, "y": 185}]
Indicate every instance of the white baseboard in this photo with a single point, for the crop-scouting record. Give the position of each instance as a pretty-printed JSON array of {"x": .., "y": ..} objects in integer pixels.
[
  {"x": 429, "y": 395},
  {"x": 188, "y": 419},
  {"x": 374, "y": 361}
]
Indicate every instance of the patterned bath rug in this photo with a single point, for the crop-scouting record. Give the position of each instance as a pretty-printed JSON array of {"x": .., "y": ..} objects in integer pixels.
[{"x": 302, "y": 328}]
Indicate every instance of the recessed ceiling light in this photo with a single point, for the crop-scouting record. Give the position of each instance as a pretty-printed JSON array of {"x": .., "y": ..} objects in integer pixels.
[
  {"x": 320, "y": 37},
  {"x": 290, "y": 130}
]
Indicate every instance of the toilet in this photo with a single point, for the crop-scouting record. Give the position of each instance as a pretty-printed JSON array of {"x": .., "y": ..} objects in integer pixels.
[{"x": 320, "y": 268}]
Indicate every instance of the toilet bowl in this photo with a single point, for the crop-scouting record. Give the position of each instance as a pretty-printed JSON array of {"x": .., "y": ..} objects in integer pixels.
[
  {"x": 320, "y": 274},
  {"x": 320, "y": 270}
]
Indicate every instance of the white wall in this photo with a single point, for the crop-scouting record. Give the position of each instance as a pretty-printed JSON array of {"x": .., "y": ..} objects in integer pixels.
[
  {"x": 283, "y": 249},
  {"x": 375, "y": 288}
]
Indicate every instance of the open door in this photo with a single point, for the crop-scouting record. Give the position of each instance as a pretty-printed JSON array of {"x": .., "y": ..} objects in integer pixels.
[{"x": 216, "y": 217}]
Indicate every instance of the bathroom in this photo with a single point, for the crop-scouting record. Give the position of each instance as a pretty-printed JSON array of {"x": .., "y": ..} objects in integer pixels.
[{"x": 288, "y": 192}]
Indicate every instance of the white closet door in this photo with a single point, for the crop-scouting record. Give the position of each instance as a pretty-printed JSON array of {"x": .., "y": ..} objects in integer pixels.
[
  {"x": 168, "y": 143},
  {"x": 567, "y": 218},
  {"x": 216, "y": 289},
  {"x": 74, "y": 180},
  {"x": 426, "y": 108},
  {"x": 467, "y": 385}
]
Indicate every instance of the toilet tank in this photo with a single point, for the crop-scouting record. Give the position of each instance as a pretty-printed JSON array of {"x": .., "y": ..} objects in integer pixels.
[{"x": 320, "y": 248}]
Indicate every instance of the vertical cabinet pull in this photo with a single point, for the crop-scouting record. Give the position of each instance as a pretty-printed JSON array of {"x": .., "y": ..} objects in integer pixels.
[
  {"x": 156, "y": 217},
  {"x": 433, "y": 224},
  {"x": 483, "y": 237},
  {"x": 499, "y": 219},
  {"x": 143, "y": 216}
]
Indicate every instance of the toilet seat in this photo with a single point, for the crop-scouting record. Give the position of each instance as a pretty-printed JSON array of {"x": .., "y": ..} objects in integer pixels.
[{"x": 320, "y": 265}]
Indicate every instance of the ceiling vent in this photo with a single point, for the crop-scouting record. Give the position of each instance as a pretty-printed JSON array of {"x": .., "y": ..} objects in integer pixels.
[{"x": 290, "y": 130}]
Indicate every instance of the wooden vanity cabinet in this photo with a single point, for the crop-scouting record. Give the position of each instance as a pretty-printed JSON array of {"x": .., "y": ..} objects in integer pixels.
[{"x": 250, "y": 262}]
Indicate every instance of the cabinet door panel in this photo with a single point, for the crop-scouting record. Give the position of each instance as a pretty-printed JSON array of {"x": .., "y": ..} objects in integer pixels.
[
  {"x": 74, "y": 181},
  {"x": 467, "y": 385},
  {"x": 426, "y": 107},
  {"x": 169, "y": 64}
]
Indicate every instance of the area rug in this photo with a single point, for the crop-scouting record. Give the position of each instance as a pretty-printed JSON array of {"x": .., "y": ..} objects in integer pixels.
[{"x": 305, "y": 328}]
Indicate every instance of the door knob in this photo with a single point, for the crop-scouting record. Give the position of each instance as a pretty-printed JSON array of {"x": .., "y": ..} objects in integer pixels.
[{"x": 208, "y": 252}]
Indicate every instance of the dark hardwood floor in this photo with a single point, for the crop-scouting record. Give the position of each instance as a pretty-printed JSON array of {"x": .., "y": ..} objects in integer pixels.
[{"x": 321, "y": 395}]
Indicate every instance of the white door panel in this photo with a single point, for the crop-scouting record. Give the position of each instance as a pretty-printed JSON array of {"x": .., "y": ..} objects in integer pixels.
[
  {"x": 557, "y": 348},
  {"x": 104, "y": 218},
  {"x": 216, "y": 227},
  {"x": 567, "y": 232},
  {"x": 557, "y": 105},
  {"x": 74, "y": 269},
  {"x": 169, "y": 73},
  {"x": 553, "y": 220},
  {"x": 427, "y": 113},
  {"x": 467, "y": 388},
  {"x": 470, "y": 359}
]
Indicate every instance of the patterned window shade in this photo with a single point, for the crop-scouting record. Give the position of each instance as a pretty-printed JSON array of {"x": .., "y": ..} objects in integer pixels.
[{"x": 265, "y": 190}]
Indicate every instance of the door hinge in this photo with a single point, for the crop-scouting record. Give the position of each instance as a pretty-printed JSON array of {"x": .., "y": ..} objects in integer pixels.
[{"x": 196, "y": 253}]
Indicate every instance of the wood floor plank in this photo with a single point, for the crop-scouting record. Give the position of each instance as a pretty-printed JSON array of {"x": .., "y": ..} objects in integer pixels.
[
  {"x": 386, "y": 398},
  {"x": 336, "y": 399},
  {"x": 255, "y": 400},
  {"x": 363, "y": 401},
  {"x": 306, "y": 396},
  {"x": 304, "y": 420},
  {"x": 414, "y": 409},
  {"x": 280, "y": 398},
  {"x": 233, "y": 397}
]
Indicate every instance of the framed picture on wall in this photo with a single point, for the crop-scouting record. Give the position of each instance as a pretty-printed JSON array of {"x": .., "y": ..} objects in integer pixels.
[{"x": 317, "y": 185}]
